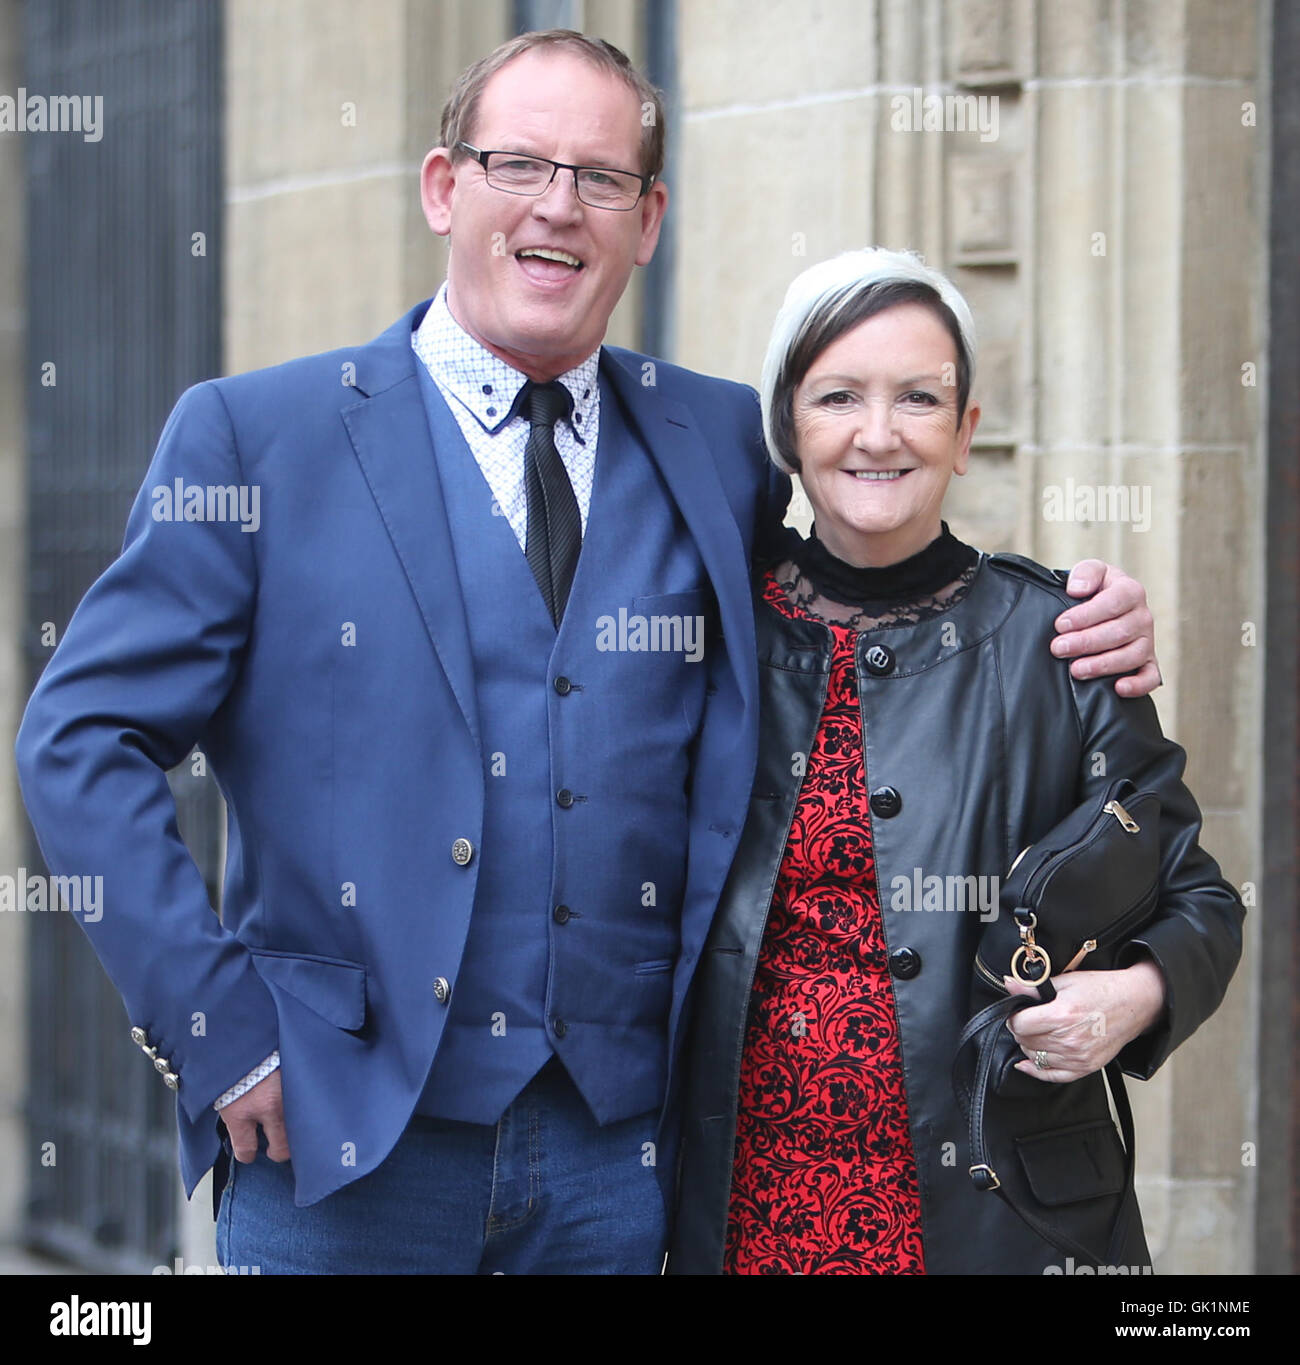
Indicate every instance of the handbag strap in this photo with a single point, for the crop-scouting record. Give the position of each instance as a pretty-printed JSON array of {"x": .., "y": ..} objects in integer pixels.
[{"x": 982, "y": 1032}]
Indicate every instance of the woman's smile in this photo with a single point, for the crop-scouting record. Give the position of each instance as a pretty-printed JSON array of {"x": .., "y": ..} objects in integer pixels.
[{"x": 879, "y": 436}]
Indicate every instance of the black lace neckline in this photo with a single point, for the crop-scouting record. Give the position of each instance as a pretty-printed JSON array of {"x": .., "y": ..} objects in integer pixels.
[{"x": 944, "y": 560}]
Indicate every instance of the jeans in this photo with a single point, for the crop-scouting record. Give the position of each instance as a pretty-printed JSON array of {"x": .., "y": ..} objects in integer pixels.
[{"x": 542, "y": 1191}]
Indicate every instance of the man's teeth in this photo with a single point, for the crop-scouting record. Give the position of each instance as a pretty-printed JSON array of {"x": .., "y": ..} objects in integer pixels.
[
  {"x": 878, "y": 475},
  {"x": 547, "y": 254}
]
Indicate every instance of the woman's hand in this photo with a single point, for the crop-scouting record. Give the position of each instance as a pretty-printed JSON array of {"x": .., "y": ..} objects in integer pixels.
[{"x": 1094, "y": 1015}]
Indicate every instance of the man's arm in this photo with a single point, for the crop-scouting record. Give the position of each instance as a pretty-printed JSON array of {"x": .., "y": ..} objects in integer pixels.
[{"x": 147, "y": 659}]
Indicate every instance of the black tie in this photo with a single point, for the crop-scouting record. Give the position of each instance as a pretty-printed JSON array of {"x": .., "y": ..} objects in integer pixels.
[{"x": 554, "y": 535}]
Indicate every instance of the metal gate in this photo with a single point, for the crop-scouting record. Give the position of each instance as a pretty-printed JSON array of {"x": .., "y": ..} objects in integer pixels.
[{"x": 123, "y": 313}]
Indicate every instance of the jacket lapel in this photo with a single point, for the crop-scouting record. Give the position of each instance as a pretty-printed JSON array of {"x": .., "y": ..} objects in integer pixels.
[
  {"x": 675, "y": 443},
  {"x": 389, "y": 431}
]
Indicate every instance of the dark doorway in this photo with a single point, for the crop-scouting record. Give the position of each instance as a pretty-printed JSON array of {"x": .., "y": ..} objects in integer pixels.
[{"x": 123, "y": 313}]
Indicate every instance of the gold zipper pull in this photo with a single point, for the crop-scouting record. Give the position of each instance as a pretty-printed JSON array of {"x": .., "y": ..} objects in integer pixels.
[
  {"x": 1130, "y": 824},
  {"x": 1088, "y": 947}
]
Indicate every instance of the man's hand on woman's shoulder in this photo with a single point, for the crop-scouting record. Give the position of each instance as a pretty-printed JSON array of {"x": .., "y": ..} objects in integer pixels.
[{"x": 1111, "y": 632}]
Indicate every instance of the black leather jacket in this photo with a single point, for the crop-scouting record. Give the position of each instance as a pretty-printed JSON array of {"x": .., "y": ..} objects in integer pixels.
[{"x": 989, "y": 742}]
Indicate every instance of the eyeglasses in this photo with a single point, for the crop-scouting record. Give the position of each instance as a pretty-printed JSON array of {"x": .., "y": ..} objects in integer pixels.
[{"x": 595, "y": 185}]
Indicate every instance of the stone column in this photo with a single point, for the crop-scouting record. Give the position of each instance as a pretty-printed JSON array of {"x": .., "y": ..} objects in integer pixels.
[
  {"x": 329, "y": 113},
  {"x": 1148, "y": 282}
]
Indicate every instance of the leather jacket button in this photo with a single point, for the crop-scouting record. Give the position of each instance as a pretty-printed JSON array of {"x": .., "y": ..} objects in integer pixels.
[
  {"x": 905, "y": 963},
  {"x": 563, "y": 686},
  {"x": 880, "y": 660},
  {"x": 886, "y": 802},
  {"x": 560, "y": 1027},
  {"x": 564, "y": 797},
  {"x": 461, "y": 852},
  {"x": 561, "y": 914}
]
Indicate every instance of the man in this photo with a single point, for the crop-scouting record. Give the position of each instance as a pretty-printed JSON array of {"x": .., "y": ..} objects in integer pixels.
[{"x": 483, "y": 790}]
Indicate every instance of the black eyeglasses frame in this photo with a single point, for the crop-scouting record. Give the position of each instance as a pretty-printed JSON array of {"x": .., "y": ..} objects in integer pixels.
[{"x": 481, "y": 157}]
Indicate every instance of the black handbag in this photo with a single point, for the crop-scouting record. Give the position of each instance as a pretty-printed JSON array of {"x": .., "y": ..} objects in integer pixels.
[{"x": 1069, "y": 902}]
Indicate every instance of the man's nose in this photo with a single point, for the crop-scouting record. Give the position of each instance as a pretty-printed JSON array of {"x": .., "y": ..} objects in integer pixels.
[{"x": 559, "y": 200}]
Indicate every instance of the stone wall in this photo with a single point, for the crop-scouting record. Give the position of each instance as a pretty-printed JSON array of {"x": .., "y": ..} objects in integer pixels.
[{"x": 1094, "y": 181}]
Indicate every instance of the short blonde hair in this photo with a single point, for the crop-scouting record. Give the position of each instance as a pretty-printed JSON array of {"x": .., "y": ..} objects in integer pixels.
[
  {"x": 461, "y": 109},
  {"x": 831, "y": 298}
]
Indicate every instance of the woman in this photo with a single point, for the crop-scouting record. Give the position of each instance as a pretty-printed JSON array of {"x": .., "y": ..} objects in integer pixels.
[{"x": 914, "y": 728}]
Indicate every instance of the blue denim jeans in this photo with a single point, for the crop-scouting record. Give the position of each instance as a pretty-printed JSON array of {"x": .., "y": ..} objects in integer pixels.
[{"x": 543, "y": 1191}]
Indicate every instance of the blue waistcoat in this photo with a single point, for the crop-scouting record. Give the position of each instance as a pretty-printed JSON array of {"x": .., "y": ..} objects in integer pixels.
[{"x": 585, "y": 740}]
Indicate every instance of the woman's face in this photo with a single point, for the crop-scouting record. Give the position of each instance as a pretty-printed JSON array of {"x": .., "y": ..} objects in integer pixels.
[{"x": 877, "y": 435}]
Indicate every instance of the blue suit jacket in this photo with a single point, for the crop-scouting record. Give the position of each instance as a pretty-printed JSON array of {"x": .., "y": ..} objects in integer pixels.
[{"x": 322, "y": 664}]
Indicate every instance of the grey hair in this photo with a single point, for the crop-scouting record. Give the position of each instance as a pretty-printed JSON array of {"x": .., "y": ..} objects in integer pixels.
[{"x": 830, "y": 298}]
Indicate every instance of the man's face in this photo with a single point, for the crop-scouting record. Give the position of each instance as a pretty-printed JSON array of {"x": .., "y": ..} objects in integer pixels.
[{"x": 542, "y": 316}]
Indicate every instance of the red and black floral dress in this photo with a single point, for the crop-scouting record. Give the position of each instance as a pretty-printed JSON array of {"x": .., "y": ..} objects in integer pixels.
[{"x": 825, "y": 1178}]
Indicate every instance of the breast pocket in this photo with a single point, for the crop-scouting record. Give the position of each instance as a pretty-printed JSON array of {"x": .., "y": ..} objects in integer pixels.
[
  {"x": 671, "y": 634},
  {"x": 673, "y": 623}
]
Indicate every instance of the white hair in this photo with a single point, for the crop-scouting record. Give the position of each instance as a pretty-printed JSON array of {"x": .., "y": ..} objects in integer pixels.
[{"x": 828, "y": 287}]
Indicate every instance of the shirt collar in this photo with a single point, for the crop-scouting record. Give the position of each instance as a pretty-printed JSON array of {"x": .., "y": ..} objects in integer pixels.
[{"x": 482, "y": 382}]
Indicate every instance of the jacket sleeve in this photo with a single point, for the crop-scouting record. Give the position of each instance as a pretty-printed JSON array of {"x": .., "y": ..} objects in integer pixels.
[
  {"x": 773, "y": 494},
  {"x": 148, "y": 657},
  {"x": 1195, "y": 936}
]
